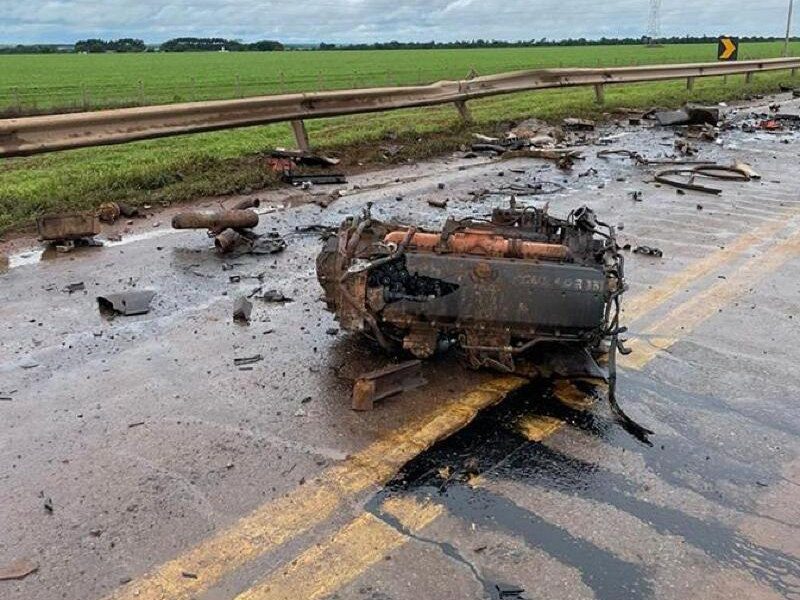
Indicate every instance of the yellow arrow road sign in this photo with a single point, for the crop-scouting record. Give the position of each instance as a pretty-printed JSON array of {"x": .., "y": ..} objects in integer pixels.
[{"x": 728, "y": 48}]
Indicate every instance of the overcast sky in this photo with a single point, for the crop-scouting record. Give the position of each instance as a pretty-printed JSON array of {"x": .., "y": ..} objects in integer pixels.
[{"x": 378, "y": 20}]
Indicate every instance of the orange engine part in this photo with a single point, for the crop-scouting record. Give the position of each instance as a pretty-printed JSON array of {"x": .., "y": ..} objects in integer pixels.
[{"x": 484, "y": 243}]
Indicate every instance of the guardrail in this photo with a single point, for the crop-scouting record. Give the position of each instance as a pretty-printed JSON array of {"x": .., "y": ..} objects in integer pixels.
[{"x": 32, "y": 135}]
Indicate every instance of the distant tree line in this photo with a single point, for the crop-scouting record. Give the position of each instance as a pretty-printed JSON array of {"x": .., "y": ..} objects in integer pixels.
[
  {"x": 120, "y": 45},
  {"x": 185, "y": 44},
  {"x": 33, "y": 49},
  {"x": 481, "y": 43},
  {"x": 190, "y": 44}
]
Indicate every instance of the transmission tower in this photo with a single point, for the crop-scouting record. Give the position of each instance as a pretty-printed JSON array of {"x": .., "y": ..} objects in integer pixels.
[{"x": 654, "y": 25}]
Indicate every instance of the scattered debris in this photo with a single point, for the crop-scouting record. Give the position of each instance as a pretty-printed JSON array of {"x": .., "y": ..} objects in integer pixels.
[
  {"x": 108, "y": 212},
  {"x": 648, "y": 251},
  {"x": 19, "y": 569},
  {"x": 436, "y": 203},
  {"x": 136, "y": 424},
  {"x": 216, "y": 221},
  {"x": 712, "y": 171},
  {"x": 315, "y": 179},
  {"x": 71, "y": 288},
  {"x": 128, "y": 211},
  {"x": 746, "y": 169},
  {"x": 532, "y": 128},
  {"x": 386, "y": 382},
  {"x": 247, "y": 203},
  {"x": 48, "y": 505},
  {"x": 242, "y": 309},
  {"x": 188, "y": 575},
  {"x": 537, "y": 188},
  {"x": 549, "y": 153},
  {"x": 688, "y": 115},
  {"x": 228, "y": 240},
  {"x": 574, "y": 124},
  {"x": 136, "y": 302},
  {"x": 298, "y": 157},
  {"x": 509, "y": 592},
  {"x": 247, "y": 360},
  {"x": 68, "y": 226},
  {"x": 643, "y": 160},
  {"x": 270, "y": 296}
]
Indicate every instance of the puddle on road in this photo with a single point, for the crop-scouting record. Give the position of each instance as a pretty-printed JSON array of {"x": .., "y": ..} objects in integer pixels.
[
  {"x": 48, "y": 252},
  {"x": 493, "y": 447}
]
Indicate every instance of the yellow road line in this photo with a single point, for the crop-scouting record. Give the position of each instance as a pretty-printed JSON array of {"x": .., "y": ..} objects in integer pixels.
[
  {"x": 644, "y": 302},
  {"x": 277, "y": 522},
  {"x": 349, "y": 552},
  {"x": 680, "y": 321}
]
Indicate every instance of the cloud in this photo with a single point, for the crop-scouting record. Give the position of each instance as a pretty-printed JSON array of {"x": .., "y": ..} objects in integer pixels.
[{"x": 378, "y": 20}]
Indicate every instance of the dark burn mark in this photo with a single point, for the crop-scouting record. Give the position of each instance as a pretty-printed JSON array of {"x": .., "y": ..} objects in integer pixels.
[{"x": 491, "y": 446}]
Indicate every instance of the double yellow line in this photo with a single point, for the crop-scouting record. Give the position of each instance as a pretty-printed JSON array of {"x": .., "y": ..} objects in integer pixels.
[{"x": 367, "y": 539}]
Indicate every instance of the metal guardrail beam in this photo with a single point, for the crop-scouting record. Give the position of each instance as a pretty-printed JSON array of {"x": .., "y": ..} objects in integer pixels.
[{"x": 32, "y": 135}]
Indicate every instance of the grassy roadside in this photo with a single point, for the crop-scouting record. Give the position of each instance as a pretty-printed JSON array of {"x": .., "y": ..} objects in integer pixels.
[{"x": 183, "y": 168}]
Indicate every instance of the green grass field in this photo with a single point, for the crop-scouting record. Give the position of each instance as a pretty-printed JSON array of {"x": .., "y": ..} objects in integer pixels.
[
  {"x": 32, "y": 83},
  {"x": 187, "y": 167}
]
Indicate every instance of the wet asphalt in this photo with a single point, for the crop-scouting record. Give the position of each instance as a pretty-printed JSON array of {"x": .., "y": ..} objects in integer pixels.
[{"x": 145, "y": 438}]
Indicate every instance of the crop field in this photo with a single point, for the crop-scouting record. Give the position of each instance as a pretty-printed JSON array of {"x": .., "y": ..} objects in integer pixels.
[
  {"x": 184, "y": 168},
  {"x": 36, "y": 83}
]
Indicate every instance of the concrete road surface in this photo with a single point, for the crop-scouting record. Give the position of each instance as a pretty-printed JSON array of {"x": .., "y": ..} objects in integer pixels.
[{"x": 137, "y": 461}]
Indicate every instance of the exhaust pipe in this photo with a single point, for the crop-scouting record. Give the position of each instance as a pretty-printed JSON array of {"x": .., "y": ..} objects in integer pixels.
[{"x": 216, "y": 221}]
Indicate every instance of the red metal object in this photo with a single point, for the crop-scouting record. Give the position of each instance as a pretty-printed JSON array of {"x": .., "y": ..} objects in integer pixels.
[{"x": 770, "y": 125}]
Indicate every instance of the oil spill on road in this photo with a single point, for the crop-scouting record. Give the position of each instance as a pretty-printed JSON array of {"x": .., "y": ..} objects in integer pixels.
[{"x": 492, "y": 447}]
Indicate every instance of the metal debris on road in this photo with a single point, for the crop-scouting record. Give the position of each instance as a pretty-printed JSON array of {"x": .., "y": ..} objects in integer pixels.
[
  {"x": 436, "y": 203},
  {"x": 650, "y": 251},
  {"x": 136, "y": 302},
  {"x": 575, "y": 124},
  {"x": 688, "y": 115},
  {"x": 711, "y": 171},
  {"x": 71, "y": 288},
  {"x": 19, "y": 569},
  {"x": 247, "y": 360},
  {"x": 108, "y": 212},
  {"x": 68, "y": 226},
  {"x": 385, "y": 382},
  {"x": 242, "y": 308},
  {"x": 270, "y": 296},
  {"x": 216, "y": 221},
  {"x": 323, "y": 179},
  {"x": 299, "y": 157},
  {"x": 247, "y": 203}
]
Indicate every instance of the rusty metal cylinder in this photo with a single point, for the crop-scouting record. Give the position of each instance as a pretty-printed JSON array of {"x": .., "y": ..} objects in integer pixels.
[
  {"x": 216, "y": 221},
  {"x": 227, "y": 241},
  {"x": 246, "y": 203},
  {"x": 485, "y": 244}
]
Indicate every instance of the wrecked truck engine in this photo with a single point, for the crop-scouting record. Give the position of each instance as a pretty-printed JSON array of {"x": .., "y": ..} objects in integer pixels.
[{"x": 491, "y": 288}]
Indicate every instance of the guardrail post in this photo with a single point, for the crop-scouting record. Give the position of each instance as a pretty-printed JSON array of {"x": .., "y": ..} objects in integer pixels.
[
  {"x": 690, "y": 83},
  {"x": 794, "y": 71},
  {"x": 301, "y": 135},
  {"x": 461, "y": 106},
  {"x": 599, "y": 93},
  {"x": 748, "y": 78}
]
